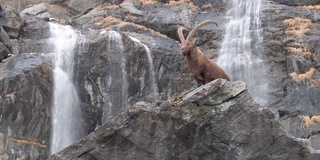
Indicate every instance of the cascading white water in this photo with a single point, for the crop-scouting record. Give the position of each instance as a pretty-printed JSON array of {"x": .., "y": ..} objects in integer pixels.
[
  {"x": 115, "y": 46},
  {"x": 243, "y": 34},
  {"x": 66, "y": 113},
  {"x": 152, "y": 74},
  {"x": 154, "y": 86}
]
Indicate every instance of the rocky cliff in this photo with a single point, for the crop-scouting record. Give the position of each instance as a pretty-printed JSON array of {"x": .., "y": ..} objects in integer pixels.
[{"x": 132, "y": 30}]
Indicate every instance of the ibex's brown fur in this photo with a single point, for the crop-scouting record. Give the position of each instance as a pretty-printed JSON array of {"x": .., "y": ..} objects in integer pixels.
[{"x": 203, "y": 69}]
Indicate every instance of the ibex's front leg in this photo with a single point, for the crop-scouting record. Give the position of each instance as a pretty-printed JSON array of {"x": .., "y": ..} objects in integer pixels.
[{"x": 199, "y": 80}]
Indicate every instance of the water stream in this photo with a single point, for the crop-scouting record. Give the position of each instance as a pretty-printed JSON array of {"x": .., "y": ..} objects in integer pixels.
[
  {"x": 241, "y": 51},
  {"x": 66, "y": 113},
  {"x": 117, "y": 82},
  {"x": 154, "y": 87}
]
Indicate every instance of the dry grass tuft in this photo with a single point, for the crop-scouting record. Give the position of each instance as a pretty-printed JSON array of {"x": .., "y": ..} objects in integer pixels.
[
  {"x": 297, "y": 29},
  {"x": 303, "y": 77},
  {"x": 149, "y": 1},
  {"x": 310, "y": 121},
  {"x": 297, "y": 26},
  {"x": 108, "y": 22},
  {"x": 310, "y": 7},
  {"x": 27, "y": 142},
  {"x": 306, "y": 77},
  {"x": 300, "y": 52}
]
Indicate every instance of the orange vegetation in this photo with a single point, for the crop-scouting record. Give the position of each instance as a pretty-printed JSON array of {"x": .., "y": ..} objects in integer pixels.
[
  {"x": 27, "y": 141},
  {"x": 303, "y": 77},
  {"x": 111, "y": 6},
  {"x": 300, "y": 52},
  {"x": 107, "y": 22},
  {"x": 297, "y": 26},
  {"x": 149, "y": 1},
  {"x": 310, "y": 7},
  {"x": 306, "y": 77},
  {"x": 310, "y": 121}
]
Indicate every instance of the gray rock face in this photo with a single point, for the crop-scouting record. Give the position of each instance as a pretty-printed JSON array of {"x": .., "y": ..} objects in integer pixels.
[
  {"x": 25, "y": 86},
  {"x": 293, "y": 68},
  {"x": 201, "y": 128}
]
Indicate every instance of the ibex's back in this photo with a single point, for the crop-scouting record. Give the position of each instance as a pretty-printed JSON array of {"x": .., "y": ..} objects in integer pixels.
[{"x": 203, "y": 69}]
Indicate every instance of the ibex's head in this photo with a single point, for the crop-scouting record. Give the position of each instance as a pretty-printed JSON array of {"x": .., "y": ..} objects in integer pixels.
[{"x": 186, "y": 44}]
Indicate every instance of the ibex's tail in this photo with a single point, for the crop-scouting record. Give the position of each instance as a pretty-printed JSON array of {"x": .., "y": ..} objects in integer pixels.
[{"x": 196, "y": 28}]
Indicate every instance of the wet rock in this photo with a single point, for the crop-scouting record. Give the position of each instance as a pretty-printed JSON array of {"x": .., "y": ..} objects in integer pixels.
[
  {"x": 234, "y": 129},
  {"x": 36, "y": 29}
]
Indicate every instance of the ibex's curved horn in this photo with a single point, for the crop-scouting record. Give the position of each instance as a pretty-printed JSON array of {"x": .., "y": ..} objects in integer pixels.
[
  {"x": 180, "y": 34},
  {"x": 196, "y": 28}
]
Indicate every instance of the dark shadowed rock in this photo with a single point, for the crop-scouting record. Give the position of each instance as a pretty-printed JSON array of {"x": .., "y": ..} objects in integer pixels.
[
  {"x": 217, "y": 121},
  {"x": 25, "y": 99},
  {"x": 4, "y": 51}
]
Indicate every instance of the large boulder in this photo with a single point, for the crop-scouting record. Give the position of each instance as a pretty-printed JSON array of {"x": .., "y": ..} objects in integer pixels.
[
  {"x": 25, "y": 99},
  {"x": 216, "y": 121},
  {"x": 38, "y": 11}
]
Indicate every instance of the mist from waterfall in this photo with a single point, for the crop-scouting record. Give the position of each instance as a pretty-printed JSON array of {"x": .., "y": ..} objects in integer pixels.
[
  {"x": 66, "y": 112},
  {"x": 243, "y": 35}
]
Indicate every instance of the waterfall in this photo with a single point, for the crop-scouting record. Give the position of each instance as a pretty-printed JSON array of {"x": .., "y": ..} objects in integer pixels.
[
  {"x": 118, "y": 99},
  {"x": 243, "y": 35},
  {"x": 152, "y": 74},
  {"x": 66, "y": 113},
  {"x": 154, "y": 87}
]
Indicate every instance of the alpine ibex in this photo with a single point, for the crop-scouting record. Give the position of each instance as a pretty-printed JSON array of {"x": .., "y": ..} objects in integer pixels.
[{"x": 203, "y": 69}]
